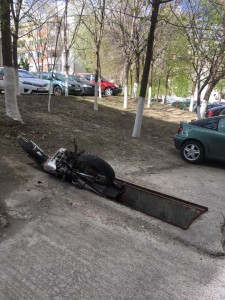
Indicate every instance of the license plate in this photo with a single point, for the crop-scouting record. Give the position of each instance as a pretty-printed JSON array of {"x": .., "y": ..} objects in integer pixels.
[{"x": 41, "y": 89}]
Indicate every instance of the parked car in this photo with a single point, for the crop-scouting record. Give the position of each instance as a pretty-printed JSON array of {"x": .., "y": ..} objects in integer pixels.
[
  {"x": 201, "y": 139},
  {"x": 209, "y": 106},
  {"x": 181, "y": 104},
  {"x": 29, "y": 84},
  {"x": 215, "y": 110},
  {"x": 87, "y": 87},
  {"x": 58, "y": 83},
  {"x": 107, "y": 87}
]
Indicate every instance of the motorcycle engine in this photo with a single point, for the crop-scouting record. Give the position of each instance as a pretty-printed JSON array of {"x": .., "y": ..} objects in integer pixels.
[{"x": 54, "y": 164}]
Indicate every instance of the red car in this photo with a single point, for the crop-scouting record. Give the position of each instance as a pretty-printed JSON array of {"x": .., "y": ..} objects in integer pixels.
[{"x": 107, "y": 87}]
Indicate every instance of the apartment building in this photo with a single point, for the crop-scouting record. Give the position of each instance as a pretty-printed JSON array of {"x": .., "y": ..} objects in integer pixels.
[{"x": 41, "y": 46}]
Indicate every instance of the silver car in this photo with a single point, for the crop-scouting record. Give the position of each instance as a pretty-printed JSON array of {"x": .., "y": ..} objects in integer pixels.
[{"x": 29, "y": 84}]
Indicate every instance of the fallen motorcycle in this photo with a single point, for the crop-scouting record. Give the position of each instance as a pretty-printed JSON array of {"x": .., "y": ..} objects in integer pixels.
[{"x": 84, "y": 170}]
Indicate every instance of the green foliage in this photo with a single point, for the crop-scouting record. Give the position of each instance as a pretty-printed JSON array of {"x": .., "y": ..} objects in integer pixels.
[{"x": 23, "y": 64}]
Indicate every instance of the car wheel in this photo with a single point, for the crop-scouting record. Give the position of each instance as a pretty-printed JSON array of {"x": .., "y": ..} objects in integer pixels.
[
  {"x": 108, "y": 92},
  {"x": 57, "y": 90},
  {"x": 192, "y": 152}
]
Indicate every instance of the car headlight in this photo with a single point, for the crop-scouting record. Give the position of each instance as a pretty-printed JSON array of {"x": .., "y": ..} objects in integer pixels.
[
  {"x": 116, "y": 85},
  {"x": 86, "y": 85}
]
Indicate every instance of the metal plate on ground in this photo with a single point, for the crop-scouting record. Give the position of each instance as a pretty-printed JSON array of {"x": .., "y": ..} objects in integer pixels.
[{"x": 169, "y": 209}]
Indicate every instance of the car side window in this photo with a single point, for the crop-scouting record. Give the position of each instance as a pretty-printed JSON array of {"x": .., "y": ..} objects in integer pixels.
[
  {"x": 221, "y": 125},
  {"x": 45, "y": 76}
]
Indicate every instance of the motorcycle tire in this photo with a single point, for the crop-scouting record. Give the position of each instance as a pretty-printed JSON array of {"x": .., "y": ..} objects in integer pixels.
[
  {"x": 32, "y": 150},
  {"x": 96, "y": 167}
]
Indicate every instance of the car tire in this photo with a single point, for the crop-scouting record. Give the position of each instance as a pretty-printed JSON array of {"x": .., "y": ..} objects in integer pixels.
[
  {"x": 108, "y": 92},
  {"x": 57, "y": 90},
  {"x": 192, "y": 152}
]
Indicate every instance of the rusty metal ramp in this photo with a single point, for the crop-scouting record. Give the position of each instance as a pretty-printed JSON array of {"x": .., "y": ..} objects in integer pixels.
[{"x": 169, "y": 209}]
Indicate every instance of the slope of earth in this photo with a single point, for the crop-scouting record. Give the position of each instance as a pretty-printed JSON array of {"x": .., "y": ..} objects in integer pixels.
[
  {"x": 106, "y": 132},
  {"x": 68, "y": 243}
]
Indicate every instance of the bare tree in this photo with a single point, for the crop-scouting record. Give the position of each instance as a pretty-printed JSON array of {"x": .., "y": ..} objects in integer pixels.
[
  {"x": 96, "y": 30},
  {"x": 127, "y": 24},
  {"x": 149, "y": 55},
  {"x": 69, "y": 39}
]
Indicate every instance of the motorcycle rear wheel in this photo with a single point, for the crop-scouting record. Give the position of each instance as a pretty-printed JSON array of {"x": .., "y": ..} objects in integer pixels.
[
  {"x": 32, "y": 150},
  {"x": 99, "y": 170}
]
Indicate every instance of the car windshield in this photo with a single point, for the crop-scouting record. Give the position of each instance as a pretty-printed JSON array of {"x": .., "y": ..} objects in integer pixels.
[
  {"x": 80, "y": 79},
  {"x": 58, "y": 76},
  {"x": 25, "y": 74},
  {"x": 104, "y": 79}
]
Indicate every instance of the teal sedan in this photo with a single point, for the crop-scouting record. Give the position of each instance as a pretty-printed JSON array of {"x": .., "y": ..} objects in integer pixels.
[{"x": 201, "y": 139}]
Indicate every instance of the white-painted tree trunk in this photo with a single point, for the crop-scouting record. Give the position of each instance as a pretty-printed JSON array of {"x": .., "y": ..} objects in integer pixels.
[
  {"x": 138, "y": 118},
  {"x": 49, "y": 97},
  {"x": 198, "y": 113},
  {"x": 203, "y": 109},
  {"x": 149, "y": 96},
  {"x": 125, "y": 97},
  {"x": 191, "y": 107},
  {"x": 17, "y": 82},
  {"x": 10, "y": 94},
  {"x": 66, "y": 86},
  {"x": 134, "y": 91},
  {"x": 96, "y": 96},
  {"x": 99, "y": 88}
]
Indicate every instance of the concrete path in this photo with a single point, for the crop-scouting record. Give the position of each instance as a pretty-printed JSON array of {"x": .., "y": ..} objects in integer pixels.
[{"x": 67, "y": 243}]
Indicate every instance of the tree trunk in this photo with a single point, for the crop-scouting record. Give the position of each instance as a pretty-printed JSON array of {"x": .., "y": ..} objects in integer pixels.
[
  {"x": 137, "y": 75},
  {"x": 209, "y": 90},
  {"x": 9, "y": 74},
  {"x": 192, "y": 96},
  {"x": 148, "y": 59},
  {"x": 97, "y": 87},
  {"x": 126, "y": 74},
  {"x": 150, "y": 86}
]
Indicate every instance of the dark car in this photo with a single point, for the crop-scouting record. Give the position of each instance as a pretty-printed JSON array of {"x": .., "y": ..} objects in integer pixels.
[
  {"x": 201, "y": 139},
  {"x": 215, "y": 110},
  {"x": 209, "y": 106},
  {"x": 87, "y": 87}
]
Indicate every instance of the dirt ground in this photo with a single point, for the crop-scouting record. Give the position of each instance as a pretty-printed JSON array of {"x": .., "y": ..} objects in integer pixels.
[{"x": 106, "y": 132}]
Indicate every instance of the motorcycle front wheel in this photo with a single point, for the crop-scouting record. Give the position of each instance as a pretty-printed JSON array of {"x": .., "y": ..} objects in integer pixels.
[
  {"x": 32, "y": 150},
  {"x": 95, "y": 169}
]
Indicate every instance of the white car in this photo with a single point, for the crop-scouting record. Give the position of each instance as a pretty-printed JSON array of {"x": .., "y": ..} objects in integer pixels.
[{"x": 29, "y": 84}]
